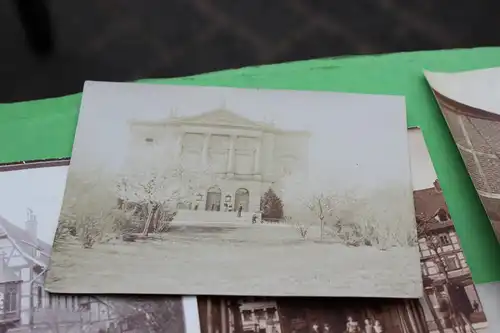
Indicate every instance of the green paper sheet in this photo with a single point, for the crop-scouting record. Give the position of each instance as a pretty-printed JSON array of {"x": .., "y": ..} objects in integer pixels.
[{"x": 44, "y": 129}]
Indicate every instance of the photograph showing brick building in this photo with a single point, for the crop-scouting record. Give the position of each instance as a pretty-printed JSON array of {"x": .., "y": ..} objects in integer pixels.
[
  {"x": 465, "y": 103},
  {"x": 477, "y": 135}
]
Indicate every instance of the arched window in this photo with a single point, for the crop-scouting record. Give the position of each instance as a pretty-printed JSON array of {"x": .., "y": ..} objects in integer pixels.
[
  {"x": 241, "y": 197},
  {"x": 214, "y": 195}
]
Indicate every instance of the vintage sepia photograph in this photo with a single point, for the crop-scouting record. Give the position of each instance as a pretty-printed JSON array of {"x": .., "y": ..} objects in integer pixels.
[
  {"x": 451, "y": 302},
  {"x": 469, "y": 102},
  {"x": 226, "y": 191},
  {"x": 30, "y": 199}
]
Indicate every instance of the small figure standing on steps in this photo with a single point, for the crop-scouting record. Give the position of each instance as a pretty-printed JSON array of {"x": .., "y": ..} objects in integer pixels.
[
  {"x": 240, "y": 208},
  {"x": 254, "y": 218}
]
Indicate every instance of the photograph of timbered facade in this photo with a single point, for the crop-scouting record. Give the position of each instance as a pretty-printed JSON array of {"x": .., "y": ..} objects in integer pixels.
[
  {"x": 25, "y": 252},
  {"x": 446, "y": 274},
  {"x": 25, "y": 306},
  {"x": 450, "y": 297}
]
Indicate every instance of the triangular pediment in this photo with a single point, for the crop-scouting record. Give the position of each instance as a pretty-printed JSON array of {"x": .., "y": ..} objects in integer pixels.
[{"x": 220, "y": 117}]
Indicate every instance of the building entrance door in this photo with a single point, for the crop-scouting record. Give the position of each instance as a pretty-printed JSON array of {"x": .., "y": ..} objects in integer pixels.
[
  {"x": 214, "y": 196},
  {"x": 241, "y": 197}
]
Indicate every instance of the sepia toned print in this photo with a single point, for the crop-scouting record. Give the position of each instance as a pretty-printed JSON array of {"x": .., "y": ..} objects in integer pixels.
[
  {"x": 469, "y": 104},
  {"x": 450, "y": 304},
  {"x": 31, "y": 195},
  {"x": 199, "y": 190}
]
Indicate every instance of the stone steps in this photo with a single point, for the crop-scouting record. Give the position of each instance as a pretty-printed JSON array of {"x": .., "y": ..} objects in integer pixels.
[{"x": 210, "y": 216}]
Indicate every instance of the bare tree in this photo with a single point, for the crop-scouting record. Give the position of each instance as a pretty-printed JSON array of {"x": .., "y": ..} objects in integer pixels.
[
  {"x": 161, "y": 193},
  {"x": 332, "y": 212},
  {"x": 85, "y": 211}
]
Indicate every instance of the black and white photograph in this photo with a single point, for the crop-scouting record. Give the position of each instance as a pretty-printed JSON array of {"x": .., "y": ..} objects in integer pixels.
[
  {"x": 469, "y": 103},
  {"x": 452, "y": 303},
  {"x": 227, "y": 191},
  {"x": 30, "y": 199}
]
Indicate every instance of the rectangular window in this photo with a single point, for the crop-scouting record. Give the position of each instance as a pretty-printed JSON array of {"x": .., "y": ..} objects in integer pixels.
[
  {"x": 247, "y": 315},
  {"x": 444, "y": 239},
  {"x": 452, "y": 263},
  {"x": 260, "y": 314},
  {"x": 10, "y": 300},
  {"x": 244, "y": 163}
]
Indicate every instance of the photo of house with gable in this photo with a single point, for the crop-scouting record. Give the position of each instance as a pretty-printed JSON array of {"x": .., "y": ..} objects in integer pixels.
[{"x": 25, "y": 306}]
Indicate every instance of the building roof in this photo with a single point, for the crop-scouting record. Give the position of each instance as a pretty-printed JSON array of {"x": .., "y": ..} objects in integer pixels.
[
  {"x": 25, "y": 244},
  {"x": 427, "y": 203},
  {"x": 218, "y": 117}
]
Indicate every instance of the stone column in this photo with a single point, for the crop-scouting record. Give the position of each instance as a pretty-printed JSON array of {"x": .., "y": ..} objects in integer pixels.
[
  {"x": 230, "y": 160},
  {"x": 178, "y": 146},
  {"x": 256, "y": 159},
  {"x": 204, "y": 153},
  {"x": 267, "y": 152}
]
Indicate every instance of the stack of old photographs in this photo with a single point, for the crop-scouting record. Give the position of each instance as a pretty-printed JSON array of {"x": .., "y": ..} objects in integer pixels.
[{"x": 223, "y": 210}]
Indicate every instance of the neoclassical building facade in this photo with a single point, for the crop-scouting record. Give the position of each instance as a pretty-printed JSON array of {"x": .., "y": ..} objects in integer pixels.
[{"x": 232, "y": 160}]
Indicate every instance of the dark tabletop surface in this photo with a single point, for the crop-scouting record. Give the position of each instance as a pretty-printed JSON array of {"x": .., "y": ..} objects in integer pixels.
[{"x": 122, "y": 40}]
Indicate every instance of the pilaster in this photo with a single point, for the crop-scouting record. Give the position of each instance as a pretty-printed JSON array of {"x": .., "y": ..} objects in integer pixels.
[
  {"x": 231, "y": 157},
  {"x": 204, "y": 153}
]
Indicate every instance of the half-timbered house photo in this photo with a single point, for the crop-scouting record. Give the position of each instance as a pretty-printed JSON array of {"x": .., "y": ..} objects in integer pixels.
[
  {"x": 30, "y": 196},
  {"x": 451, "y": 302}
]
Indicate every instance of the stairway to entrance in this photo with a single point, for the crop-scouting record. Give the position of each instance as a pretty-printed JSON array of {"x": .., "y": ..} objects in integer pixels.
[{"x": 186, "y": 215}]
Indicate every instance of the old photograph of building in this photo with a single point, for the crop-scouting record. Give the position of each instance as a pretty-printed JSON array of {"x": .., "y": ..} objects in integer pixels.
[
  {"x": 204, "y": 190},
  {"x": 469, "y": 104},
  {"x": 30, "y": 198},
  {"x": 449, "y": 292},
  {"x": 451, "y": 302}
]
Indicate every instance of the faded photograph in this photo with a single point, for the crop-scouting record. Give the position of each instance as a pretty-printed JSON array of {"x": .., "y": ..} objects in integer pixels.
[
  {"x": 469, "y": 103},
  {"x": 450, "y": 304},
  {"x": 30, "y": 199},
  {"x": 200, "y": 190}
]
